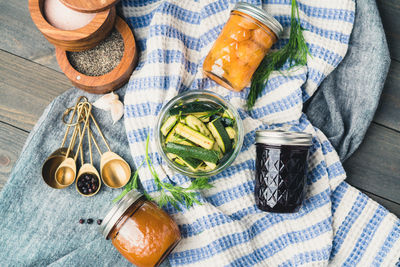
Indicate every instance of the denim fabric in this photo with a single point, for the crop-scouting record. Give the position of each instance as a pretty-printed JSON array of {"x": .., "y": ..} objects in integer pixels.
[
  {"x": 345, "y": 103},
  {"x": 39, "y": 225}
]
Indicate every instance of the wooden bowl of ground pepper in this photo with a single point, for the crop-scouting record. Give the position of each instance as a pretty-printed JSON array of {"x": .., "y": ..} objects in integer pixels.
[{"x": 104, "y": 68}]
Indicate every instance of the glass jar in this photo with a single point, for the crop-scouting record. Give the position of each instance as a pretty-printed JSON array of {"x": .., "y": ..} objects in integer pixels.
[
  {"x": 200, "y": 95},
  {"x": 242, "y": 44},
  {"x": 142, "y": 232},
  {"x": 281, "y": 165}
]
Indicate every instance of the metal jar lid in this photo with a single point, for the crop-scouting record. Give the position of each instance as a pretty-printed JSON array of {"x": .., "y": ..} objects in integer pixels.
[
  {"x": 277, "y": 137},
  {"x": 260, "y": 15},
  {"x": 117, "y": 211}
]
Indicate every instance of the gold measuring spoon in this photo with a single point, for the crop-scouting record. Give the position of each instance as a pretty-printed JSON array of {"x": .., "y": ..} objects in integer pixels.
[
  {"x": 66, "y": 172},
  {"x": 57, "y": 157},
  {"x": 88, "y": 182},
  {"x": 115, "y": 171}
]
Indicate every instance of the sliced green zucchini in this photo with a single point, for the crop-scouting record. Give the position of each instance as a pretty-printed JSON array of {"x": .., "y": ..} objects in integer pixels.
[
  {"x": 203, "y": 116},
  {"x": 190, "y": 162},
  {"x": 217, "y": 149},
  {"x": 192, "y": 107},
  {"x": 171, "y": 156},
  {"x": 227, "y": 122},
  {"x": 220, "y": 135},
  {"x": 198, "y": 125},
  {"x": 180, "y": 140},
  {"x": 192, "y": 152},
  {"x": 210, "y": 165},
  {"x": 174, "y": 137},
  {"x": 231, "y": 132},
  {"x": 169, "y": 124},
  {"x": 227, "y": 114},
  {"x": 194, "y": 136},
  {"x": 204, "y": 119},
  {"x": 180, "y": 162},
  {"x": 171, "y": 135},
  {"x": 204, "y": 168}
]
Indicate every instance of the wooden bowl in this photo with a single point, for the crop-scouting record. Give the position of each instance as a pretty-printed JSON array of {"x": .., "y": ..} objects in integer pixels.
[
  {"x": 112, "y": 80},
  {"x": 89, "y": 6},
  {"x": 73, "y": 40}
]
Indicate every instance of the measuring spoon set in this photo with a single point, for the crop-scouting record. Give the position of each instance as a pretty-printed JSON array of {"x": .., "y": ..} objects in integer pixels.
[{"x": 60, "y": 170}]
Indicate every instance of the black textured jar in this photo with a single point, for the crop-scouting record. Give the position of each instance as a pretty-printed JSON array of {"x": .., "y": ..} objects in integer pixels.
[{"x": 281, "y": 166}]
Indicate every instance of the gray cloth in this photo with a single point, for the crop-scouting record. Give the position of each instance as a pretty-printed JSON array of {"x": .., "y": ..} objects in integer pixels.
[
  {"x": 345, "y": 103},
  {"x": 39, "y": 225}
]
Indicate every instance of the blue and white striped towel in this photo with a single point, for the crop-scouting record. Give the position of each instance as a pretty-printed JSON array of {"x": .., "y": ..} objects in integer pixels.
[{"x": 337, "y": 224}]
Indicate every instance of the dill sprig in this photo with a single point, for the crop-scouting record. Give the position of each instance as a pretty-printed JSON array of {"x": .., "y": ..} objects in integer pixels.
[
  {"x": 186, "y": 196},
  {"x": 295, "y": 52},
  {"x": 212, "y": 113}
]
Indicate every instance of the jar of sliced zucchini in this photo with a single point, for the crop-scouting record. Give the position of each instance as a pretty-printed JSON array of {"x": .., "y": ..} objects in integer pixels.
[{"x": 199, "y": 133}]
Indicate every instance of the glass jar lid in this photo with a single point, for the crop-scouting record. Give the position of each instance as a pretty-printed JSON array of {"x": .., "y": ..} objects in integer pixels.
[
  {"x": 261, "y": 15},
  {"x": 279, "y": 137},
  {"x": 117, "y": 211}
]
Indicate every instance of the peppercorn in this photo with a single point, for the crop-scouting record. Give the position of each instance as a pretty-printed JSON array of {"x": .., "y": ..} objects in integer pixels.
[
  {"x": 81, "y": 221},
  {"x": 99, "y": 221},
  {"x": 87, "y": 184},
  {"x": 89, "y": 221}
]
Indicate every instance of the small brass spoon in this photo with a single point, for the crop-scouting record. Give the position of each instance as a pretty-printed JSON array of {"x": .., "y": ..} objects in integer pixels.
[
  {"x": 66, "y": 173},
  {"x": 115, "y": 171},
  {"x": 57, "y": 157},
  {"x": 88, "y": 168}
]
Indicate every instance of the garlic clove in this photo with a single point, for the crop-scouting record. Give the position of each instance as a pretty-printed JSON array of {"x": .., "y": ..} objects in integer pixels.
[
  {"x": 117, "y": 110},
  {"x": 104, "y": 102}
]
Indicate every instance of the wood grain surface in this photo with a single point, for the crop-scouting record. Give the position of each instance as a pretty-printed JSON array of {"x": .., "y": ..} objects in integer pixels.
[
  {"x": 26, "y": 89},
  {"x": 390, "y": 13},
  {"x": 375, "y": 166},
  {"x": 20, "y": 36}
]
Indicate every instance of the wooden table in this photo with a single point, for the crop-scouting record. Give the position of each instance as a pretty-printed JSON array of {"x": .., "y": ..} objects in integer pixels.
[{"x": 30, "y": 78}]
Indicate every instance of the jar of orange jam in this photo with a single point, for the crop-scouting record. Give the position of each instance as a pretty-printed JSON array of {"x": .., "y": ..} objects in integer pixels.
[
  {"x": 242, "y": 44},
  {"x": 142, "y": 232}
]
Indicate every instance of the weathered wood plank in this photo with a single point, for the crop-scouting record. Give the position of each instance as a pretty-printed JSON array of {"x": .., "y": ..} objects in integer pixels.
[
  {"x": 388, "y": 112},
  {"x": 26, "y": 89},
  {"x": 375, "y": 166},
  {"x": 20, "y": 36},
  {"x": 390, "y": 13},
  {"x": 11, "y": 143}
]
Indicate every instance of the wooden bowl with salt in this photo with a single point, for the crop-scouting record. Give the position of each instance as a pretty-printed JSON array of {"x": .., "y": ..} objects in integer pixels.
[
  {"x": 102, "y": 69},
  {"x": 69, "y": 29}
]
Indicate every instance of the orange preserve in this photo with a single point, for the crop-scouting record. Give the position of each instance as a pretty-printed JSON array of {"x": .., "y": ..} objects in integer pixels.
[
  {"x": 142, "y": 232},
  {"x": 243, "y": 42}
]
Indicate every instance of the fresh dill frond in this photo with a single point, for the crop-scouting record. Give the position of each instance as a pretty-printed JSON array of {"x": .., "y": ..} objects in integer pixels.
[
  {"x": 294, "y": 52},
  {"x": 211, "y": 113},
  {"x": 168, "y": 193},
  {"x": 177, "y": 194}
]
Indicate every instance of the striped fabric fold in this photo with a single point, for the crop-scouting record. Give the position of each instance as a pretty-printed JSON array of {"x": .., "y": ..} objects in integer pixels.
[{"x": 337, "y": 224}]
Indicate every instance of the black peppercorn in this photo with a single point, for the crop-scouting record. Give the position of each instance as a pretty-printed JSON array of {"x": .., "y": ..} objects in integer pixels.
[
  {"x": 87, "y": 184},
  {"x": 89, "y": 221},
  {"x": 99, "y": 221}
]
